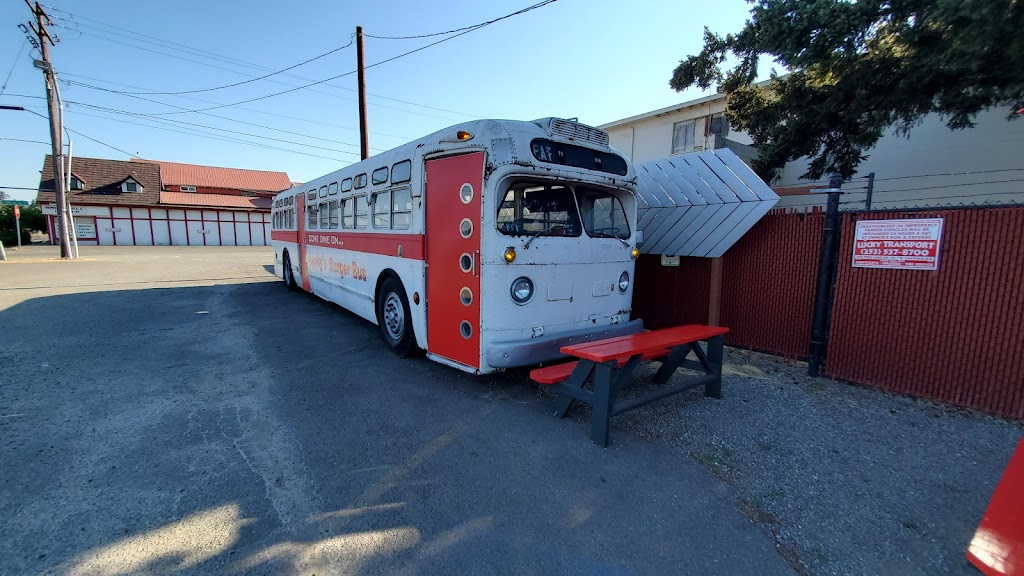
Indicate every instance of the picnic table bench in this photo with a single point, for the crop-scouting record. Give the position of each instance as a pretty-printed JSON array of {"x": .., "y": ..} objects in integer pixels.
[{"x": 608, "y": 365}]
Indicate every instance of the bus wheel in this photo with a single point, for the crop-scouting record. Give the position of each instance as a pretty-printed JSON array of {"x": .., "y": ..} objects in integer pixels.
[
  {"x": 289, "y": 276},
  {"x": 394, "y": 318}
]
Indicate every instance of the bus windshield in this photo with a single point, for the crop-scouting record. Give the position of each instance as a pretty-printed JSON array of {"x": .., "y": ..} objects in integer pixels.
[
  {"x": 602, "y": 213},
  {"x": 539, "y": 210}
]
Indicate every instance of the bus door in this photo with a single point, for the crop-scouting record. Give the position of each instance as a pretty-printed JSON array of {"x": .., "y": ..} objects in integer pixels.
[
  {"x": 300, "y": 209},
  {"x": 453, "y": 257}
]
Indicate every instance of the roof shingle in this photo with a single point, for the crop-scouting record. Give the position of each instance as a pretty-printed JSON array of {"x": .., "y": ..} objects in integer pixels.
[
  {"x": 215, "y": 200},
  {"x": 101, "y": 179},
  {"x": 178, "y": 174}
]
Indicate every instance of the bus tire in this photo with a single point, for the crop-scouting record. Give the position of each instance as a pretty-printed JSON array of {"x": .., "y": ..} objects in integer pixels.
[
  {"x": 289, "y": 275},
  {"x": 394, "y": 317}
]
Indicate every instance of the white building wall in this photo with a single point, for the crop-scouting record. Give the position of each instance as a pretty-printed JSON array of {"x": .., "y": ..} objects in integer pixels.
[
  {"x": 935, "y": 166},
  {"x": 651, "y": 138},
  {"x": 126, "y": 226}
]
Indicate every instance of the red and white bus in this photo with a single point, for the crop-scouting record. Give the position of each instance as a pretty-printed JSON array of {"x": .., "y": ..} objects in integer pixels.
[{"x": 489, "y": 244}]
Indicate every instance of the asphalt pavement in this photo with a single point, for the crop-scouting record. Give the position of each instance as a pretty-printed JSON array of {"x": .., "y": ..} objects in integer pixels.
[{"x": 178, "y": 410}]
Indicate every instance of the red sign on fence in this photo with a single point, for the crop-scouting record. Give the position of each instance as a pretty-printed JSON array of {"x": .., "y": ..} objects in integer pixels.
[{"x": 907, "y": 244}]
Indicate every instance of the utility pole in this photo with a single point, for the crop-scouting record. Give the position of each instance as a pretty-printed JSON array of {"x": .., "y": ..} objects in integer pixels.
[
  {"x": 364, "y": 134},
  {"x": 826, "y": 274},
  {"x": 72, "y": 231},
  {"x": 45, "y": 41}
]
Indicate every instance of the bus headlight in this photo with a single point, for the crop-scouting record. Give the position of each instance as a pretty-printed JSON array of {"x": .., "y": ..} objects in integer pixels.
[
  {"x": 624, "y": 282},
  {"x": 521, "y": 290}
]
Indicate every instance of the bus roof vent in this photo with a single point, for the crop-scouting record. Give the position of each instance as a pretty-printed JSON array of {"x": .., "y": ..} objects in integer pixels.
[{"x": 579, "y": 132}]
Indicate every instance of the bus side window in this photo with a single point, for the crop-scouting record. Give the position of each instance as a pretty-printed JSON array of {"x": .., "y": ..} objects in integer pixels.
[
  {"x": 346, "y": 213},
  {"x": 359, "y": 207},
  {"x": 311, "y": 223},
  {"x": 401, "y": 211},
  {"x": 382, "y": 210},
  {"x": 291, "y": 218},
  {"x": 333, "y": 214},
  {"x": 323, "y": 215}
]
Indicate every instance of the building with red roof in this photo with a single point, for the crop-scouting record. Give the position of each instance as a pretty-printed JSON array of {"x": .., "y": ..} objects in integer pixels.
[{"x": 154, "y": 203}]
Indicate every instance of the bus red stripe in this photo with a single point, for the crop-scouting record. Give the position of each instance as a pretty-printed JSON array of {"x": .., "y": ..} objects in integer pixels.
[
  {"x": 368, "y": 242},
  {"x": 285, "y": 236}
]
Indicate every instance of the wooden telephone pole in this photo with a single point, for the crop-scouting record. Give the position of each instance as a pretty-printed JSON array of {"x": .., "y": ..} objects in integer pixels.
[
  {"x": 56, "y": 121},
  {"x": 364, "y": 134}
]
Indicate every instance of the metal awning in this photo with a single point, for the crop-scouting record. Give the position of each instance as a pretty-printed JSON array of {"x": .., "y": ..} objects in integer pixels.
[{"x": 698, "y": 204}]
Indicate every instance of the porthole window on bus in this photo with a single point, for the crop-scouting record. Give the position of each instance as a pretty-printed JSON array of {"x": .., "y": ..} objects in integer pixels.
[
  {"x": 382, "y": 210},
  {"x": 401, "y": 210},
  {"x": 466, "y": 193},
  {"x": 360, "y": 181},
  {"x": 346, "y": 184},
  {"x": 466, "y": 228},
  {"x": 539, "y": 210},
  {"x": 359, "y": 207},
  {"x": 346, "y": 213},
  {"x": 311, "y": 222},
  {"x": 332, "y": 188},
  {"x": 332, "y": 218},
  {"x": 379, "y": 176},
  {"x": 324, "y": 213},
  {"x": 401, "y": 172}
]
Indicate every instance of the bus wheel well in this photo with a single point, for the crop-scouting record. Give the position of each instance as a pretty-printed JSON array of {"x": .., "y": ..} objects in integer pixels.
[{"x": 387, "y": 273}]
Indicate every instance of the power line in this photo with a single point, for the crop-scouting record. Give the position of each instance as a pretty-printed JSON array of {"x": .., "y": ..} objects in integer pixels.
[
  {"x": 951, "y": 186},
  {"x": 214, "y": 56},
  {"x": 87, "y": 137},
  {"x": 385, "y": 61},
  {"x": 951, "y": 174},
  {"x": 5, "y": 139},
  {"x": 198, "y": 134},
  {"x": 13, "y": 66},
  {"x": 473, "y": 27},
  {"x": 264, "y": 112},
  {"x": 274, "y": 73}
]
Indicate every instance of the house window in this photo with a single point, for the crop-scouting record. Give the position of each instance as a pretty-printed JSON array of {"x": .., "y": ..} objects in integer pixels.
[
  {"x": 130, "y": 186},
  {"x": 76, "y": 184},
  {"x": 187, "y": 188},
  {"x": 682, "y": 136},
  {"x": 719, "y": 125}
]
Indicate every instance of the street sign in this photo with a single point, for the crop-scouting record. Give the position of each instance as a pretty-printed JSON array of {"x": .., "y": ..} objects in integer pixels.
[
  {"x": 911, "y": 244},
  {"x": 15, "y": 202}
]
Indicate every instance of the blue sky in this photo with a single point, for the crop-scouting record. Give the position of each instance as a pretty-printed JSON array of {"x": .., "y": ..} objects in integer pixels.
[{"x": 598, "y": 60}]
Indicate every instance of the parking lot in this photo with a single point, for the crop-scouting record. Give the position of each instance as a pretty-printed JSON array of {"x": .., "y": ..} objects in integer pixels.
[{"x": 177, "y": 409}]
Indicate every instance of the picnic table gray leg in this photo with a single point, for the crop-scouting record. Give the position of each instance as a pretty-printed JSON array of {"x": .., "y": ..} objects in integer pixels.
[
  {"x": 671, "y": 363},
  {"x": 576, "y": 380},
  {"x": 601, "y": 412},
  {"x": 715, "y": 354}
]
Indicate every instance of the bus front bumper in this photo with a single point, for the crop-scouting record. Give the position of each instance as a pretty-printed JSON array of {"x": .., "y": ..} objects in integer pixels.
[{"x": 513, "y": 354}]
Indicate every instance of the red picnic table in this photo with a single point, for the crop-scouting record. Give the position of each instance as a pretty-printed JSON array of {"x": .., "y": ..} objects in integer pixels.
[{"x": 608, "y": 365}]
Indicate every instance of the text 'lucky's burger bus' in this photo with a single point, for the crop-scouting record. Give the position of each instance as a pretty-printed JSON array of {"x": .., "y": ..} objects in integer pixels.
[{"x": 489, "y": 245}]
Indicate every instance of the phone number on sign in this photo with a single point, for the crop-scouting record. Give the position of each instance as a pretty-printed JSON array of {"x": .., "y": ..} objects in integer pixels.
[{"x": 893, "y": 252}]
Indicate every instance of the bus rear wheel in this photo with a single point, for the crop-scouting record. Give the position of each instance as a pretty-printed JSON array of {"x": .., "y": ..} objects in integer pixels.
[
  {"x": 289, "y": 276},
  {"x": 394, "y": 317}
]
